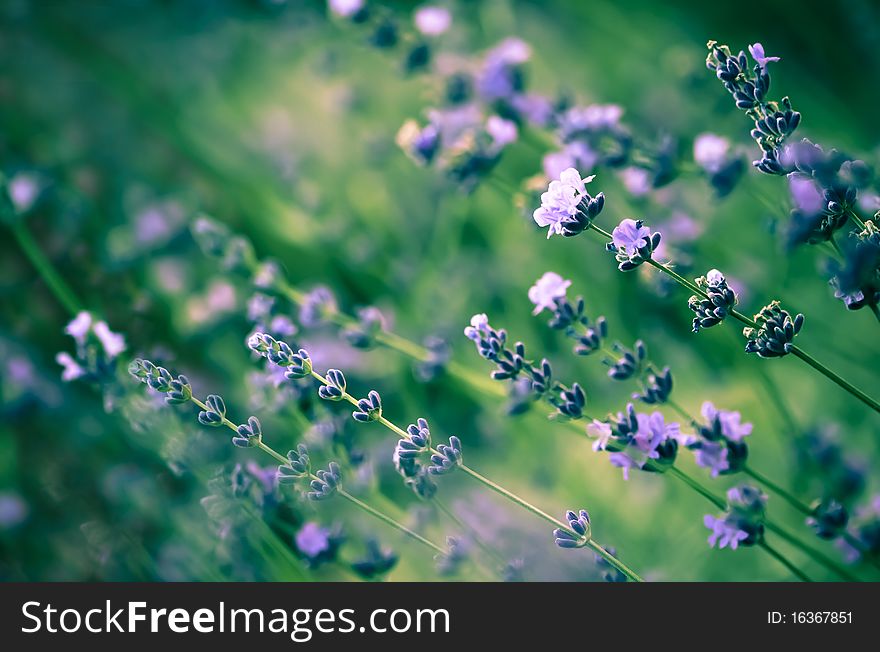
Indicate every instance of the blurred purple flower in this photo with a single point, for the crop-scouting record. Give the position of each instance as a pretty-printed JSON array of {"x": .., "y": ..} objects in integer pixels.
[
  {"x": 13, "y": 510},
  {"x": 345, "y": 8},
  {"x": 432, "y": 20},
  {"x": 312, "y": 539},
  {"x": 637, "y": 181},
  {"x": 805, "y": 194},
  {"x": 712, "y": 455},
  {"x": 24, "y": 189},
  {"x": 724, "y": 532},
  {"x": 503, "y": 131},
  {"x": 544, "y": 293},
  {"x": 710, "y": 152}
]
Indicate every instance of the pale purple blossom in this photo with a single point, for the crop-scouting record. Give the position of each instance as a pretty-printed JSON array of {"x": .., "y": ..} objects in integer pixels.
[
  {"x": 712, "y": 455},
  {"x": 432, "y": 20},
  {"x": 561, "y": 200},
  {"x": 312, "y": 539},
  {"x": 637, "y": 181},
  {"x": 113, "y": 343},
  {"x": 13, "y": 510},
  {"x": 758, "y": 54},
  {"x": 479, "y": 326},
  {"x": 575, "y": 154},
  {"x": 629, "y": 236},
  {"x": 710, "y": 152},
  {"x": 23, "y": 189},
  {"x": 536, "y": 109},
  {"x": 80, "y": 326},
  {"x": 724, "y": 533},
  {"x": 805, "y": 194},
  {"x": 345, "y": 8},
  {"x": 714, "y": 278},
  {"x": 72, "y": 369},
  {"x": 512, "y": 51},
  {"x": 544, "y": 293},
  {"x": 601, "y": 432},
  {"x": 626, "y": 462},
  {"x": 653, "y": 431},
  {"x": 730, "y": 422},
  {"x": 503, "y": 131},
  {"x": 591, "y": 118}
]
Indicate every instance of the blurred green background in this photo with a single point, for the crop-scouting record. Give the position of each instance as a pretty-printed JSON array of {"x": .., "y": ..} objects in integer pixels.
[{"x": 280, "y": 122}]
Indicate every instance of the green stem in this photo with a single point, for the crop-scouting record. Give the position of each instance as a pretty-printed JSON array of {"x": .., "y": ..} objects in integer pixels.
[
  {"x": 390, "y": 521},
  {"x": 509, "y": 495},
  {"x": 491, "y": 552},
  {"x": 491, "y": 485},
  {"x": 696, "y": 486},
  {"x": 875, "y": 310},
  {"x": 775, "y": 488},
  {"x": 59, "y": 288},
  {"x": 855, "y": 218},
  {"x": 812, "y": 552},
  {"x": 342, "y": 493},
  {"x": 782, "y": 560},
  {"x": 800, "y": 353},
  {"x": 842, "y": 382}
]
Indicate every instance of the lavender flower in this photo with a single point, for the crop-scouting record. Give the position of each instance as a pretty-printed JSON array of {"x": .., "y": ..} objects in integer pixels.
[
  {"x": 503, "y": 132},
  {"x": 447, "y": 457},
  {"x": 297, "y": 467},
  {"x": 742, "y": 523},
  {"x": 580, "y": 530},
  {"x": 723, "y": 424},
  {"x": 97, "y": 348},
  {"x": 547, "y": 290},
  {"x": 828, "y": 519},
  {"x": 775, "y": 333},
  {"x": 630, "y": 363},
  {"x": 362, "y": 334},
  {"x": 567, "y": 208},
  {"x": 719, "y": 302},
  {"x": 432, "y": 20},
  {"x": 334, "y": 390},
  {"x": 312, "y": 539},
  {"x": 718, "y": 442},
  {"x": 636, "y": 441},
  {"x": 725, "y": 533},
  {"x": 214, "y": 414},
  {"x": 630, "y": 236},
  {"x": 248, "y": 435},
  {"x": 456, "y": 554},
  {"x": 632, "y": 243},
  {"x": 369, "y": 409},
  {"x": 345, "y": 8},
  {"x": 317, "y": 307},
  {"x": 757, "y": 52},
  {"x": 318, "y": 544},
  {"x": 657, "y": 387},
  {"x": 712, "y": 455},
  {"x": 326, "y": 483}
]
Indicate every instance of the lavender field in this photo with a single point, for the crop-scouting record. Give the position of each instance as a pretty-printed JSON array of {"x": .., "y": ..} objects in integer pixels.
[{"x": 456, "y": 291}]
